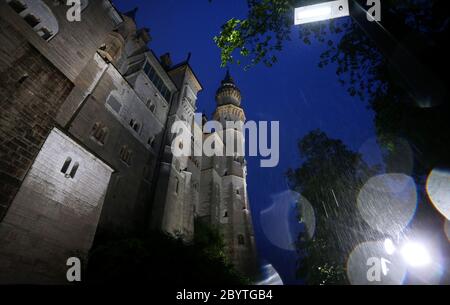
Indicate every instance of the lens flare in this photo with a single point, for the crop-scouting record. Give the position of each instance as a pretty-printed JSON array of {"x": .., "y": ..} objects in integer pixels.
[
  {"x": 438, "y": 190},
  {"x": 368, "y": 264},
  {"x": 447, "y": 229},
  {"x": 389, "y": 246},
  {"x": 275, "y": 220},
  {"x": 415, "y": 254},
  {"x": 271, "y": 276},
  {"x": 307, "y": 216},
  {"x": 388, "y": 202}
]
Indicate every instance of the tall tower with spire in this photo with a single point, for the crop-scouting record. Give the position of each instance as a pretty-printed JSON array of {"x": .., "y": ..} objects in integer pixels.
[{"x": 223, "y": 197}]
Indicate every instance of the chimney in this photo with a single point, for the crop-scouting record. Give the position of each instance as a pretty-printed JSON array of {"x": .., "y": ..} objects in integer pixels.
[{"x": 166, "y": 61}]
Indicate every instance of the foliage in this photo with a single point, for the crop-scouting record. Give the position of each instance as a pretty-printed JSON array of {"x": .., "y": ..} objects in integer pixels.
[
  {"x": 258, "y": 36},
  {"x": 329, "y": 178},
  {"x": 162, "y": 259},
  {"x": 315, "y": 267}
]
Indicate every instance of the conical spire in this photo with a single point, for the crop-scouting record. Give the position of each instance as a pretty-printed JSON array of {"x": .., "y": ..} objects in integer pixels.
[
  {"x": 132, "y": 13},
  {"x": 228, "y": 79}
]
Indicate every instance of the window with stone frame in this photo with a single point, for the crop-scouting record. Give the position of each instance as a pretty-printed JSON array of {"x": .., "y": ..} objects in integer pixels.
[
  {"x": 67, "y": 171},
  {"x": 135, "y": 125},
  {"x": 126, "y": 155},
  {"x": 66, "y": 165},
  {"x": 99, "y": 133}
]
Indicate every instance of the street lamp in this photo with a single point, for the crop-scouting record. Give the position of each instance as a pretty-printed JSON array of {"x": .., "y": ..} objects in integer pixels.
[{"x": 321, "y": 11}]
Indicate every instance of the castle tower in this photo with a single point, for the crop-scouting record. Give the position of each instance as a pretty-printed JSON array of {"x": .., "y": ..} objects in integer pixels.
[
  {"x": 224, "y": 199},
  {"x": 177, "y": 190}
]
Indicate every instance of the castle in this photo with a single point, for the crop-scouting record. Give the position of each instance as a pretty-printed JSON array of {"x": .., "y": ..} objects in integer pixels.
[{"x": 85, "y": 132}]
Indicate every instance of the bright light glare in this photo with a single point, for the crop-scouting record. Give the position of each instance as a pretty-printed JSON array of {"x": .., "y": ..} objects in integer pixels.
[
  {"x": 321, "y": 11},
  {"x": 415, "y": 254},
  {"x": 389, "y": 246},
  {"x": 314, "y": 13}
]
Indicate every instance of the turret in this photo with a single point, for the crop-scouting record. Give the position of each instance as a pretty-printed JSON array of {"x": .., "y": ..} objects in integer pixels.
[{"x": 228, "y": 92}]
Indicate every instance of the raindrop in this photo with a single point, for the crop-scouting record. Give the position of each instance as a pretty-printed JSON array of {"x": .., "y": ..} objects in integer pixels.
[
  {"x": 388, "y": 202},
  {"x": 438, "y": 189}
]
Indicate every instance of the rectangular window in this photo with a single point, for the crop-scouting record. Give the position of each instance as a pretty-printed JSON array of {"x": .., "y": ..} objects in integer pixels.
[
  {"x": 157, "y": 81},
  {"x": 18, "y": 6},
  {"x": 32, "y": 20},
  {"x": 114, "y": 104},
  {"x": 147, "y": 68},
  {"x": 45, "y": 33}
]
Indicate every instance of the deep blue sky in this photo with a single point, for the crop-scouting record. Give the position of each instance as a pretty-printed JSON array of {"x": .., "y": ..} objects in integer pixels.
[{"x": 295, "y": 92}]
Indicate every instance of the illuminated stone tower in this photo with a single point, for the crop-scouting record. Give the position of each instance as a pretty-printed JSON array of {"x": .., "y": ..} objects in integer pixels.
[{"x": 224, "y": 200}]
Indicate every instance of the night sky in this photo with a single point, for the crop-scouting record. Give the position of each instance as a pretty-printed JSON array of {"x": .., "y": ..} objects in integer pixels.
[{"x": 295, "y": 92}]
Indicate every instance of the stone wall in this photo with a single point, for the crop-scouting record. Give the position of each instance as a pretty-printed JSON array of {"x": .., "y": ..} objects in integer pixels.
[
  {"x": 31, "y": 91},
  {"x": 54, "y": 215}
]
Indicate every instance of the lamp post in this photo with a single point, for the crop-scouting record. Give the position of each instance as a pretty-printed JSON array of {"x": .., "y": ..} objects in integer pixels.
[{"x": 415, "y": 78}]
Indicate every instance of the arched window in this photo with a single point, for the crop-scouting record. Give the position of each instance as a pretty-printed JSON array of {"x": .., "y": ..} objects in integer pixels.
[
  {"x": 38, "y": 15},
  {"x": 135, "y": 125},
  {"x": 74, "y": 170},
  {"x": 66, "y": 165},
  {"x": 241, "y": 240},
  {"x": 225, "y": 214},
  {"x": 99, "y": 133},
  {"x": 152, "y": 108}
]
